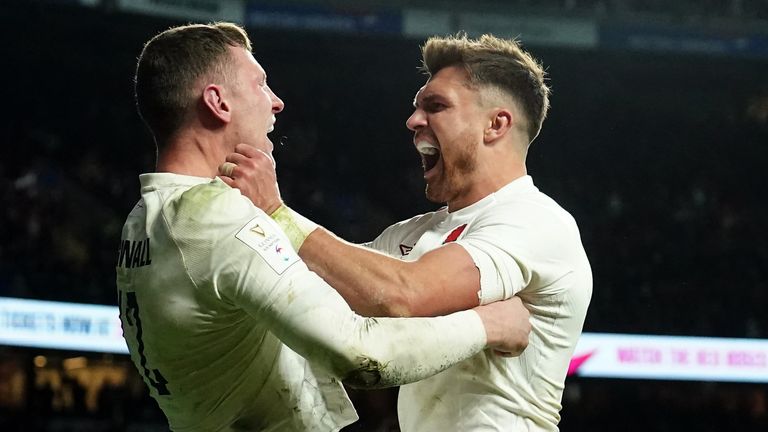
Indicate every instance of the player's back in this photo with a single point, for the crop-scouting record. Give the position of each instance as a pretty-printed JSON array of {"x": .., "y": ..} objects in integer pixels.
[{"x": 208, "y": 363}]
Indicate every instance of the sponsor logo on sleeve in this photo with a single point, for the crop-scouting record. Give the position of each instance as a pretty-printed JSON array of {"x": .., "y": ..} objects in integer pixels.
[
  {"x": 269, "y": 242},
  {"x": 258, "y": 230}
]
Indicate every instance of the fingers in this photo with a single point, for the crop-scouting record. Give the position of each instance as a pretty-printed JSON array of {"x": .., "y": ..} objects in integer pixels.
[
  {"x": 234, "y": 162},
  {"x": 269, "y": 156},
  {"x": 250, "y": 151},
  {"x": 246, "y": 150},
  {"x": 229, "y": 181},
  {"x": 254, "y": 156},
  {"x": 517, "y": 327},
  {"x": 227, "y": 168},
  {"x": 238, "y": 158}
]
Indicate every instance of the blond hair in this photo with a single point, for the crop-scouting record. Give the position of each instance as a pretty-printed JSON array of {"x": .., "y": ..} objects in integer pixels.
[
  {"x": 497, "y": 63},
  {"x": 170, "y": 65}
]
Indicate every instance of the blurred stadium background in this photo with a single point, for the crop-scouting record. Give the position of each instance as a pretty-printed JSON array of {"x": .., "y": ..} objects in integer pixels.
[{"x": 657, "y": 143}]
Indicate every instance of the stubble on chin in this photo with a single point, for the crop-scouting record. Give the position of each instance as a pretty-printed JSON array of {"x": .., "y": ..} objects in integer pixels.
[{"x": 454, "y": 176}]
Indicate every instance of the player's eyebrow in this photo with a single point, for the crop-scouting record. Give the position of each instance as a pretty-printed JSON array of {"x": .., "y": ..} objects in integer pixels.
[{"x": 426, "y": 99}]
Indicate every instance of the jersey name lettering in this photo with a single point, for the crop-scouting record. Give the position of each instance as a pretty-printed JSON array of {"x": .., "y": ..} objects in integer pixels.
[{"x": 133, "y": 253}]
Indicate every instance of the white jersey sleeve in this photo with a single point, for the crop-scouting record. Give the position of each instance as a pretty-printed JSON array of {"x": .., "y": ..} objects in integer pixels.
[
  {"x": 513, "y": 247},
  {"x": 252, "y": 266}
]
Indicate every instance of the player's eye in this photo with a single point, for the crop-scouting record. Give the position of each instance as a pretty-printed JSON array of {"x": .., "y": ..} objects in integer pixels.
[{"x": 434, "y": 107}]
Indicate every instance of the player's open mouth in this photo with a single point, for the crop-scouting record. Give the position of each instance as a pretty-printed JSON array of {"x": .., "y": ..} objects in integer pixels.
[{"x": 429, "y": 153}]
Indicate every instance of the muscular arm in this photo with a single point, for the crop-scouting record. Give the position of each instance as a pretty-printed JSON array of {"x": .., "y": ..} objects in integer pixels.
[{"x": 441, "y": 281}]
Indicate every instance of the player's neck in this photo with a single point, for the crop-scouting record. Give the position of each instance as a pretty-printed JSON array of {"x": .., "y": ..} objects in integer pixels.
[
  {"x": 192, "y": 154},
  {"x": 488, "y": 178}
]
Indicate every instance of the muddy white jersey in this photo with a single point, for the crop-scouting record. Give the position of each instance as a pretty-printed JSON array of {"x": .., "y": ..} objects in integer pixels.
[{"x": 232, "y": 332}]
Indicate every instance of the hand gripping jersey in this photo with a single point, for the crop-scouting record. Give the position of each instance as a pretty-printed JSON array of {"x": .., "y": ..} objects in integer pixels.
[
  {"x": 232, "y": 332},
  {"x": 523, "y": 243}
]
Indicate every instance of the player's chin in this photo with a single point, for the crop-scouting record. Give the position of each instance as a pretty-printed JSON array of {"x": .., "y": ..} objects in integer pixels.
[
  {"x": 434, "y": 193},
  {"x": 268, "y": 144}
]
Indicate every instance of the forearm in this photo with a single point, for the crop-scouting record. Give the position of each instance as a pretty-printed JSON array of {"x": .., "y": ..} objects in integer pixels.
[
  {"x": 439, "y": 282},
  {"x": 412, "y": 349},
  {"x": 373, "y": 284}
]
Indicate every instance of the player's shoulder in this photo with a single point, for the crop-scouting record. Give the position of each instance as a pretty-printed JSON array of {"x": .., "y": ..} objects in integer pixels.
[
  {"x": 391, "y": 238},
  {"x": 417, "y": 222},
  {"x": 213, "y": 200},
  {"x": 204, "y": 209},
  {"x": 530, "y": 207},
  {"x": 421, "y": 219}
]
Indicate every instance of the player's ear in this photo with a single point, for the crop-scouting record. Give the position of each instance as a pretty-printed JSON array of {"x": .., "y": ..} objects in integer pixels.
[
  {"x": 216, "y": 104},
  {"x": 500, "y": 121}
]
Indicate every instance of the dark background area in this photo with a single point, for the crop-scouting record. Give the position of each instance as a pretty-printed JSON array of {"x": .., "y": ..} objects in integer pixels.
[{"x": 660, "y": 158}]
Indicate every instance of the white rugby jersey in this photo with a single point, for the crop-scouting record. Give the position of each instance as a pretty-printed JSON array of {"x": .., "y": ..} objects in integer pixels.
[
  {"x": 523, "y": 243},
  {"x": 216, "y": 307}
]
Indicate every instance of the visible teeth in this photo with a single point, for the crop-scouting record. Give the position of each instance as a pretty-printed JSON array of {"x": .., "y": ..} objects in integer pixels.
[{"x": 426, "y": 148}]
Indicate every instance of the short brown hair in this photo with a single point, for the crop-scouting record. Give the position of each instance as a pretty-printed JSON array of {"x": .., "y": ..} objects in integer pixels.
[
  {"x": 171, "y": 63},
  {"x": 494, "y": 62}
]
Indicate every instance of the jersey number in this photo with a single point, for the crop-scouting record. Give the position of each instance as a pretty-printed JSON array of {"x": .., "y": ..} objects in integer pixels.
[{"x": 131, "y": 313}]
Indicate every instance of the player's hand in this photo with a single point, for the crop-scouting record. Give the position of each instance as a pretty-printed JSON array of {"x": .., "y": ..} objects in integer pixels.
[
  {"x": 507, "y": 326},
  {"x": 252, "y": 171}
]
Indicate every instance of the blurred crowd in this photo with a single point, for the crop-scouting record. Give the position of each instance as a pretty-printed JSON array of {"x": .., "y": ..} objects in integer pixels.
[
  {"x": 678, "y": 10},
  {"x": 659, "y": 158},
  {"x": 686, "y": 10}
]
